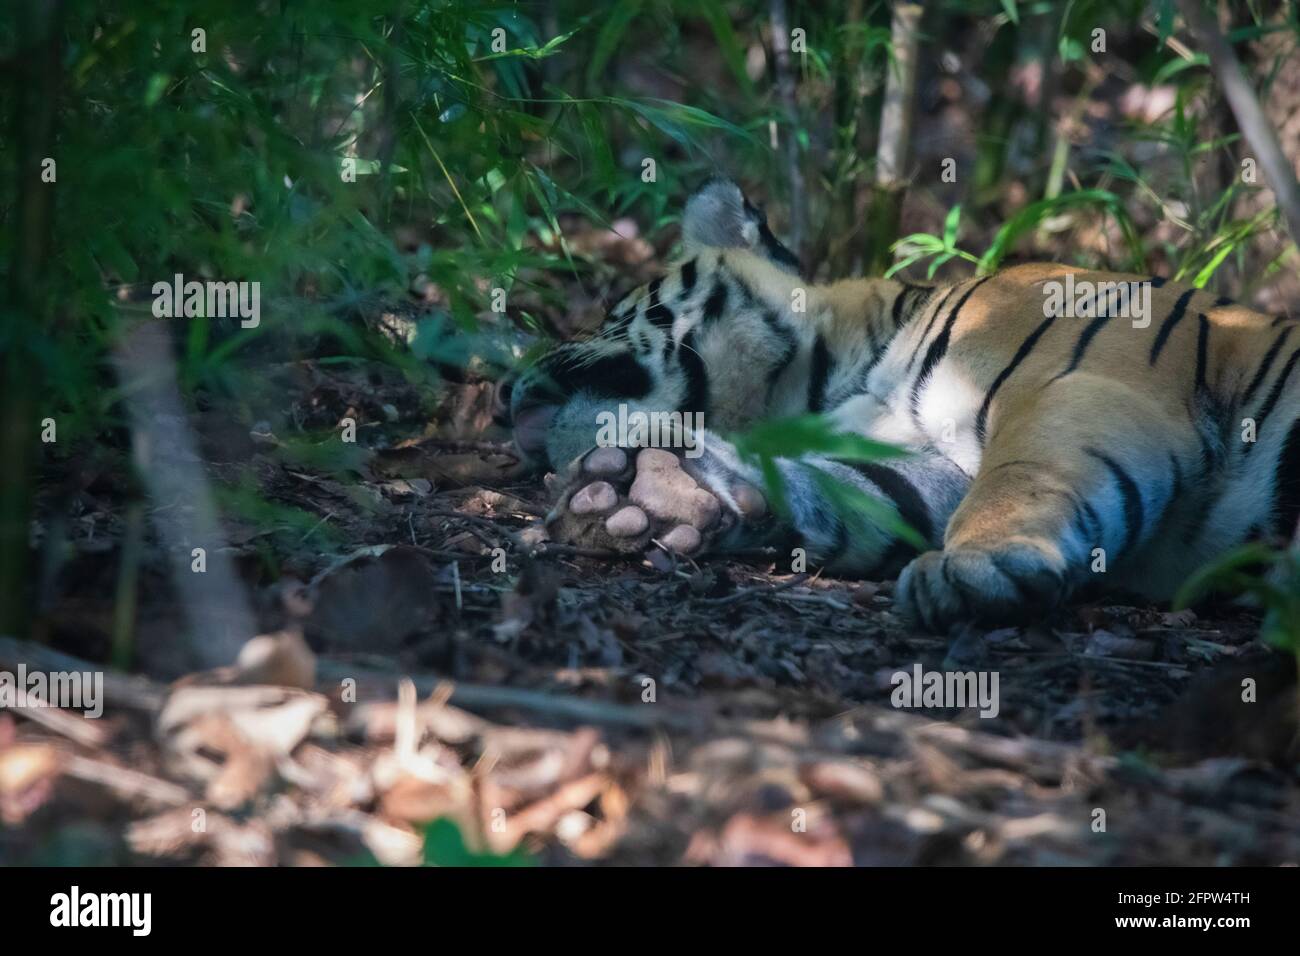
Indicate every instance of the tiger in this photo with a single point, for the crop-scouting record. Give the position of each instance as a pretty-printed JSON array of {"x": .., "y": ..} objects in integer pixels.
[{"x": 1054, "y": 447}]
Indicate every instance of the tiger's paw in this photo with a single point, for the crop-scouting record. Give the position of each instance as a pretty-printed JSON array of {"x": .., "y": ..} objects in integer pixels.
[
  {"x": 1009, "y": 584},
  {"x": 632, "y": 501}
]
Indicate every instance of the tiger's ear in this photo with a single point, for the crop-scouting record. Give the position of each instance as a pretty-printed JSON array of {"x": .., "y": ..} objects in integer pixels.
[{"x": 719, "y": 215}]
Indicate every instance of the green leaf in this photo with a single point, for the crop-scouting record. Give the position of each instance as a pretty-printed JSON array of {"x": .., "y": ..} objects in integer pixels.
[
  {"x": 156, "y": 88},
  {"x": 950, "y": 225},
  {"x": 854, "y": 505},
  {"x": 1165, "y": 20},
  {"x": 718, "y": 20},
  {"x": 1214, "y": 576},
  {"x": 799, "y": 436},
  {"x": 551, "y": 47},
  {"x": 1035, "y": 213},
  {"x": 1174, "y": 67},
  {"x": 444, "y": 846},
  {"x": 810, "y": 434},
  {"x": 1207, "y": 270},
  {"x": 621, "y": 15}
]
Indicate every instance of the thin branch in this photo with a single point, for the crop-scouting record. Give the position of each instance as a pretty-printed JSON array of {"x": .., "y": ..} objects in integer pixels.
[
  {"x": 789, "y": 105},
  {"x": 1254, "y": 126}
]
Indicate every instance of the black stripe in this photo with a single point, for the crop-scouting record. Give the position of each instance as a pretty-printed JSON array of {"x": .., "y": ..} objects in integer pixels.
[
  {"x": 1211, "y": 457},
  {"x": 616, "y": 324},
  {"x": 1175, "y": 483},
  {"x": 938, "y": 310},
  {"x": 1273, "y": 396},
  {"x": 615, "y": 376},
  {"x": 1085, "y": 521},
  {"x": 1091, "y": 303},
  {"x": 876, "y": 356},
  {"x": 656, "y": 313},
  {"x": 1176, "y": 316},
  {"x": 790, "y": 347},
  {"x": 688, "y": 277},
  {"x": 1269, "y": 358},
  {"x": 1286, "y": 488},
  {"x": 716, "y": 302},
  {"x": 920, "y": 296},
  {"x": 774, "y": 248},
  {"x": 1079, "y": 525},
  {"x": 1199, "y": 517},
  {"x": 1279, "y": 320},
  {"x": 1081, "y": 346},
  {"x": 1027, "y": 346},
  {"x": 697, "y": 376},
  {"x": 1202, "y": 350},
  {"x": 873, "y": 343},
  {"x": 1129, "y": 494},
  {"x": 1094, "y": 522},
  {"x": 1157, "y": 281},
  {"x": 906, "y": 499},
  {"x": 896, "y": 313},
  {"x": 911, "y": 299},
  {"x": 939, "y": 346},
  {"x": 818, "y": 373}
]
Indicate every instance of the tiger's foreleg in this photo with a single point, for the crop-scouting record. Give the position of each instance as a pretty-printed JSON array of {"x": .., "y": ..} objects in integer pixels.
[
  {"x": 1071, "y": 483},
  {"x": 630, "y": 499}
]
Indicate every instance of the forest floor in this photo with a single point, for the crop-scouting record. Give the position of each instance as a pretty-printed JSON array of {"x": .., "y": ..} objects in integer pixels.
[{"x": 564, "y": 709}]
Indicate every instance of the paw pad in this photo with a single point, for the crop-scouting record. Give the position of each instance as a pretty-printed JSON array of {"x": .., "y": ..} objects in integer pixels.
[{"x": 616, "y": 502}]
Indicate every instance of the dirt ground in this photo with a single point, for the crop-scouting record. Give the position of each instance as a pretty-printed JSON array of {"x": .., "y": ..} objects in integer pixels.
[{"x": 568, "y": 709}]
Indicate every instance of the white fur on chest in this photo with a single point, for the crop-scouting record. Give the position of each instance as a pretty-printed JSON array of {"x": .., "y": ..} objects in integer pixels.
[{"x": 943, "y": 418}]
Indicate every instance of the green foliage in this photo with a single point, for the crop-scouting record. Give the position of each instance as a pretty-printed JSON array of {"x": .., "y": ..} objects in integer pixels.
[
  {"x": 920, "y": 244},
  {"x": 445, "y": 846},
  {"x": 1269, "y": 575},
  {"x": 1036, "y": 213},
  {"x": 791, "y": 438},
  {"x": 227, "y": 162}
]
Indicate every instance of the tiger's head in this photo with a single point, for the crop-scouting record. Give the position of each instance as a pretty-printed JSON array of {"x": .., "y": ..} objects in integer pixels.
[{"x": 710, "y": 336}]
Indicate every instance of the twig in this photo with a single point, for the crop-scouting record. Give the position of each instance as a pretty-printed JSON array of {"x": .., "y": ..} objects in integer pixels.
[
  {"x": 484, "y": 697},
  {"x": 466, "y": 444},
  {"x": 131, "y": 784},
  {"x": 823, "y": 599},
  {"x": 77, "y": 729},
  {"x": 758, "y": 590},
  {"x": 555, "y": 549},
  {"x": 312, "y": 529},
  {"x": 122, "y": 690},
  {"x": 514, "y": 539}
]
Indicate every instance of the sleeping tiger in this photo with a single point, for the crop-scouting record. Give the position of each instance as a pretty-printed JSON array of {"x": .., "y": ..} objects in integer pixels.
[{"x": 1055, "y": 443}]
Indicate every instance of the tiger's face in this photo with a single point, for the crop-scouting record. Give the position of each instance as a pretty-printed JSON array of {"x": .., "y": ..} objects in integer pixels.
[{"x": 690, "y": 341}]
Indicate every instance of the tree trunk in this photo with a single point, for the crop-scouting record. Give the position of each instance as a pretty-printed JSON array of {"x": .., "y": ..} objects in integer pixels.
[
  {"x": 895, "y": 149},
  {"x": 36, "y": 65}
]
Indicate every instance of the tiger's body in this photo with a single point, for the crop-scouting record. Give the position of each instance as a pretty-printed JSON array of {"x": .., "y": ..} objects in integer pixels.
[{"x": 1048, "y": 452}]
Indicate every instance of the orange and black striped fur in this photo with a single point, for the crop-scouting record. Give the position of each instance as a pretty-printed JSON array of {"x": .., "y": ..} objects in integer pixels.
[{"x": 1045, "y": 448}]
